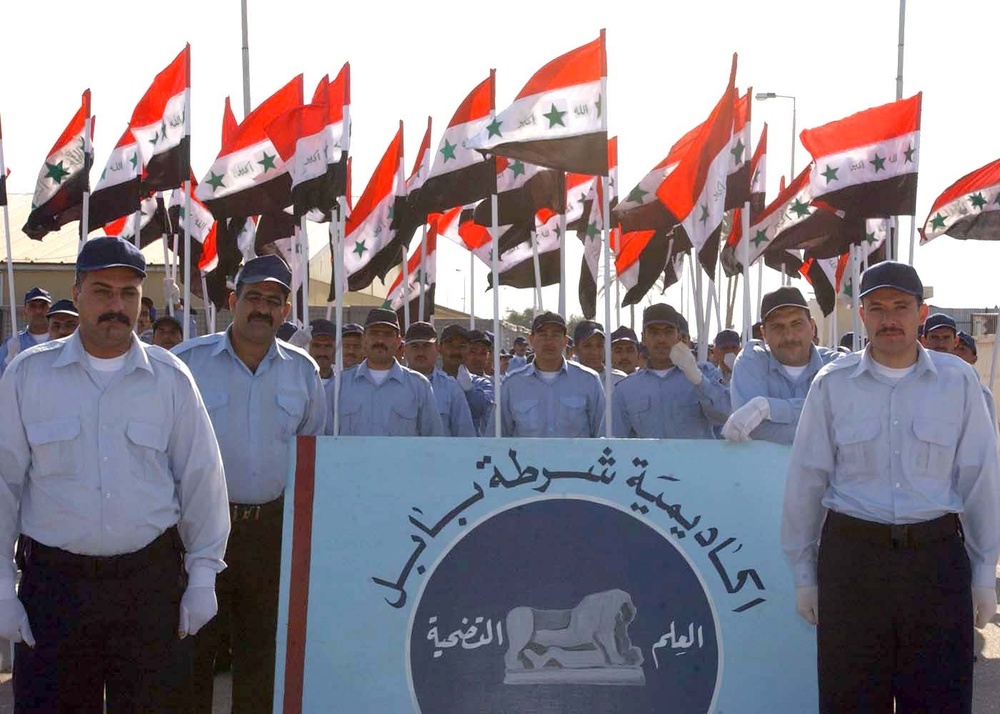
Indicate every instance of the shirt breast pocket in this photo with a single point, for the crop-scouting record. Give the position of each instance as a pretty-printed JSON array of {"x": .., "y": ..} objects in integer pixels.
[
  {"x": 216, "y": 401},
  {"x": 291, "y": 408},
  {"x": 54, "y": 446},
  {"x": 147, "y": 445},
  {"x": 350, "y": 417},
  {"x": 573, "y": 417},
  {"x": 934, "y": 451},
  {"x": 403, "y": 420},
  {"x": 527, "y": 417},
  {"x": 856, "y": 452},
  {"x": 640, "y": 412}
]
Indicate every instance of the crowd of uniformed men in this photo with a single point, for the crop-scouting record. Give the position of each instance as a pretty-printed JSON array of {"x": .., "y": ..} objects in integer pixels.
[{"x": 120, "y": 460}]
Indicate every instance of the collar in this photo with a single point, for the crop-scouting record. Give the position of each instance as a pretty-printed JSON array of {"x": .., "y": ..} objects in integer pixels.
[
  {"x": 226, "y": 345},
  {"x": 72, "y": 352},
  {"x": 924, "y": 363},
  {"x": 364, "y": 371},
  {"x": 813, "y": 366},
  {"x": 531, "y": 369}
]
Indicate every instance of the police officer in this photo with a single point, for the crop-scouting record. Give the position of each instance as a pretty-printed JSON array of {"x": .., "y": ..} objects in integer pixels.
[
  {"x": 625, "y": 350},
  {"x": 771, "y": 377},
  {"x": 674, "y": 397},
  {"x": 380, "y": 397},
  {"x": 480, "y": 357},
  {"x": 453, "y": 346},
  {"x": 551, "y": 396},
  {"x": 940, "y": 333},
  {"x": 891, "y": 518},
  {"x": 352, "y": 348},
  {"x": 966, "y": 348},
  {"x": 36, "y": 306},
  {"x": 519, "y": 357},
  {"x": 322, "y": 347},
  {"x": 725, "y": 347},
  {"x": 63, "y": 319},
  {"x": 588, "y": 341},
  {"x": 421, "y": 356},
  {"x": 261, "y": 393},
  {"x": 110, "y": 473},
  {"x": 167, "y": 332}
]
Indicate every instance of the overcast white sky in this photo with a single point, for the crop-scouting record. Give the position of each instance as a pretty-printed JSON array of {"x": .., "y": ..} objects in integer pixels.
[{"x": 667, "y": 66}]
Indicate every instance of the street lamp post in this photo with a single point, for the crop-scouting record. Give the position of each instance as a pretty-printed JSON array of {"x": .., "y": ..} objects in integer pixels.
[{"x": 761, "y": 96}]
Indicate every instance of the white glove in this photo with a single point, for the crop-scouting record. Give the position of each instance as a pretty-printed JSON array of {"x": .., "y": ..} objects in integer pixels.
[
  {"x": 807, "y": 603},
  {"x": 745, "y": 419},
  {"x": 464, "y": 378},
  {"x": 729, "y": 359},
  {"x": 684, "y": 360},
  {"x": 171, "y": 293},
  {"x": 302, "y": 337},
  {"x": 14, "y": 622},
  {"x": 198, "y": 607},
  {"x": 984, "y": 605}
]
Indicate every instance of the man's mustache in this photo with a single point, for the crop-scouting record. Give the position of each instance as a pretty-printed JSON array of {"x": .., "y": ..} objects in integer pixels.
[
  {"x": 115, "y": 317},
  {"x": 890, "y": 331},
  {"x": 262, "y": 317}
]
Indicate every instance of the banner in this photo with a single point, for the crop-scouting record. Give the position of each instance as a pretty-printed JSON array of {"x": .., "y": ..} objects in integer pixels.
[{"x": 538, "y": 575}]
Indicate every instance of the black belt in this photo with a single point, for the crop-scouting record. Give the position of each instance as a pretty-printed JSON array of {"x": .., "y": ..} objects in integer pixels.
[
  {"x": 255, "y": 511},
  {"x": 31, "y": 554},
  {"x": 909, "y": 535}
]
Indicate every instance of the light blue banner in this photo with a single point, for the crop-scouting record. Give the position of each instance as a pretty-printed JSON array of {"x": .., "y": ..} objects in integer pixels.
[{"x": 495, "y": 576}]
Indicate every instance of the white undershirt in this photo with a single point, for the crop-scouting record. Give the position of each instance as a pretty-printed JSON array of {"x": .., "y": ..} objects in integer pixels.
[
  {"x": 112, "y": 364},
  {"x": 39, "y": 339},
  {"x": 893, "y": 374},
  {"x": 660, "y": 372},
  {"x": 794, "y": 372},
  {"x": 378, "y": 375},
  {"x": 549, "y": 377}
]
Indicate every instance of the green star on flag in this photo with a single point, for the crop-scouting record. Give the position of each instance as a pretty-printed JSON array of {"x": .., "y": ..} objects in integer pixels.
[
  {"x": 134, "y": 160},
  {"x": 56, "y": 172},
  {"x": 937, "y": 221},
  {"x": 448, "y": 150},
  {"x": 392, "y": 211},
  {"x": 759, "y": 238},
  {"x": 215, "y": 181},
  {"x": 848, "y": 288},
  {"x": 493, "y": 128},
  {"x": 555, "y": 117},
  {"x": 636, "y": 194},
  {"x": 909, "y": 155},
  {"x": 359, "y": 248},
  {"x": 870, "y": 238},
  {"x": 156, "y": 138},
  {"x": 704, "y": 213},
  {"x": 599, "y": 104},
  {"x": 977, "y": 201},
  {"x": 591, "y": 231},
  {"x": 268, "y": 162},
  {"x": 878, "y": 162},
  {"x": 737, "y": 152},
  {"x": 799, "y": 208},
  {"x": 830, "y": 174},
  {"x": 517, "y": 168}
]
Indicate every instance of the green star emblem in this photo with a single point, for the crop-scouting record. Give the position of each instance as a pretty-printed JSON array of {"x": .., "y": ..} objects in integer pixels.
[
  {"x": 799, "y": 208},
  {"x": 870, "y": 238},
  {"x": 636, "y": 194},
  {"x": 759, "y": 238},
  {"x": 134, "y": 161},
  {"x": 416, "y": 277},
  {"x": 977, "y": 201},
  {"x": 583, "y": 198},
  {"x": 599, "y": 104},
  {"x": 937, "y": 222},
  {"x": 493, "y": 128},
  {"x": 268, "y": 162},
  {"x": 180, "y": 212},
  {"x": 558, "y": 231},
  {"x": 156, "y": 138},
  {"x": 996, "y": 201},
  {"x": 56, "y": 172},
  {"x": 359, "y": 248},
  {"x": 591, "y": 231},
  {"x": 517, "y": 168},
  {"x": 448, "y": 150},
  {"x": 830, "y": 174},
  {"x": 849, "y": 287},
  {"x": 878, "y": 162},
  {"x": 392, "y": 211},
  {"x": 704, "y": 213},
  {"x": 554, "y": 116},
  {"x": 737, "y": 152},
  {"x": 103, "y": 174},
  {"x": 215, "y": 181},
  {"x": 908, "y": 154},
  {"x": 163, "y": 130}
]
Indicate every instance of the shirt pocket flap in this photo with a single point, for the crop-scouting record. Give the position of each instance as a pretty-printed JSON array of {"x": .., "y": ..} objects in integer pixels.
[
  {"x": 293, "y": 404},
  {"x": 935, "y": 432},
  {"x": 405, "y": 410},
  {"x": 573, "y": 401},
  {"x": 856, "y": 432},
  {"x": 640, "y": 404},
  {"x": 152, "y": 436},
  {"x": 349, "y": 406},
  {"x": 48, "y": 432},
  {"x": 214, "y": 398},
  {"x": 525, "y": 406}
]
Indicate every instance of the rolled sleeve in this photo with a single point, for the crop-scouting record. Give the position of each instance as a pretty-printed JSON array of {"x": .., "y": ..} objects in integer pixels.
[{"x": 713, "y": 395}]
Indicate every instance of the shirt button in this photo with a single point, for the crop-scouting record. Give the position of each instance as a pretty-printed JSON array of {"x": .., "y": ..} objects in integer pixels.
[
  {"x": 106, "y": 458},
  {"x": 107, "y": 528},
  {"x": 896, "y": 452},
  {"x": 895, "y": 422},
  {"x": 897, "y": 485}
]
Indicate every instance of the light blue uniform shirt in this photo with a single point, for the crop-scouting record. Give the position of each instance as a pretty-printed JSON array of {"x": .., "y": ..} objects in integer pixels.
[
  {"x": 480, "y": 400},
  {"x": 648, "y": 406},
  {"x": 105, "y": 470},
  {"x": 256, "y": 415},
  {"x": 25, "y": 340},
  {"x": 572, "y": 405},
  {"x": 903, "y": 452},
  {"x": 452, "y": 406},
  {"x": 756, "y": 373},
  {"x": 402, "y": 405}
]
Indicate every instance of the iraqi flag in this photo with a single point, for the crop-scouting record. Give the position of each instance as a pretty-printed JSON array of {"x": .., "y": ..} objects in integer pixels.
[
  {"x": 739, "y": 179},
  {"x": 640, "y": 259},
  {"x": 421, "y": 270},
  {"x": 522, "y": 191},
  {"x": 249, "y": 177},
  {"x": 866, "y": 164},
  {"x": 821, "y": 274},
  {"x": 153, "y": 223},
  {"x": 580, "y": 192},
  {"x": 406, "y": 219},
  {"x": 459, "y": 174},
  {"x": 695, "y": 192},
  {"x": 591, "y": 234},
  {"x": 313, "y": 141},
  {"x": 969, "y": 209},
  {"x": 64, "y": 178},
  {"x": 370, "y": 248},
  {"x": 516, "y": 266},
  {"x": 161, "y": 128},
  {"x": 758, "y": 175},
  {"x": 118, "y": 190},
  {"x": 558, "y": 119}
]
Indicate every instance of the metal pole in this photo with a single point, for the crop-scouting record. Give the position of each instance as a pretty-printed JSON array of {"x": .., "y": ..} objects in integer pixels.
[
  {"x": 137, "y": 226},
  {"x": 472, "y": 290},
  {"x": 747, "y": 319},
  {"x": 855, "y": 302},
  {"x": 894, "y": 248},
  {"x": 406, "y": 289},
  {"x": 562, "y": 258},
  {"x": 495, "y": 265},
  {"x": 993, "y": 359},
  {"x": 608, "y": 383},
  {"x": 791, "y": 176},
  {"x": 338, "y": 292},
  {"x": 538, "y": 271},
  {"x": 246, "y": 61},
  {"x": 10, "y": 255},
  {"x": 85, "y": 213},
  {"x": 423, "y": 269}
]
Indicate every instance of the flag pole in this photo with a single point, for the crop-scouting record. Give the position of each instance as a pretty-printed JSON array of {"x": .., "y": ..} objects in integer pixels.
[
  {"x": 246, "y": 60},
  {"x": 423, "y": 266},
  {"x": 87, "y": 150},
  {"x": 495, "y": 266},
  {"x": 11, "y": 292},
  {"x": 760, "y": 286},
  {"x": 606, "y": 230},
  {"x": 562, "y": 256},
  {"x": 472, "y": 289},
  {"x": 209, "y": 318},
  {"x": 856, "y": 288},
  {"x": 747, "y": 320},
  {"x": 538, "y": 270},
  {"x": 993, "y": 358},
  {"x": 137, "y": 227},
  {"x": 338, "y": 292},
  {"x": 405, "y": 285},
  {"x": 304, "y": 241},
  {"x": 187, "y": 260}
]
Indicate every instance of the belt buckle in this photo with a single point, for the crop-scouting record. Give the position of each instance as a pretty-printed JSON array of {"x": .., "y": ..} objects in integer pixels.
[{"x": 899, "y": 535}]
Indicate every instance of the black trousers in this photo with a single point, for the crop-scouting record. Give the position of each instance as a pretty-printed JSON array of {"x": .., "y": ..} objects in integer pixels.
[
  {"x": 248, "y": 602},
  {"x": 895, "y": 622},
  {"x": 102, "y": 627}
]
